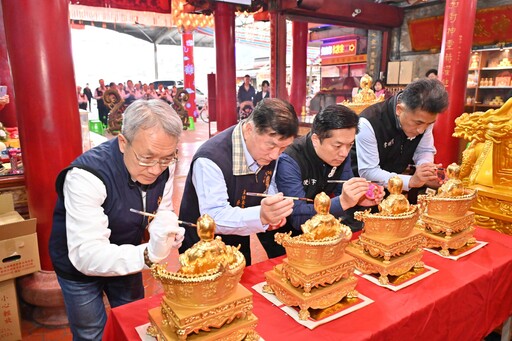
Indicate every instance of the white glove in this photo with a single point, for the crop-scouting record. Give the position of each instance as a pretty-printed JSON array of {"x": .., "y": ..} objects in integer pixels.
[{"x": 164, "y": 234}]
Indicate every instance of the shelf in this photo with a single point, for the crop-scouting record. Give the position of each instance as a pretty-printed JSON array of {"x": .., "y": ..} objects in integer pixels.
[
  {"x": 498, "y": 68},
  {"x": 487, "y": 106},
  {"x": 495, "y": 87}
]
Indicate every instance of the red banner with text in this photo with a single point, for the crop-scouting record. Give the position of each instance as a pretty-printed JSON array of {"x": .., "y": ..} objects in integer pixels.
[{"x": 492, "y": 26}]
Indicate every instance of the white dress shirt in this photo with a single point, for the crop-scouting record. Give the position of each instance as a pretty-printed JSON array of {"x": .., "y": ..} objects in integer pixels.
[
  {"x": 368, "y": 154},
  {"x": 213, "y": 198},
  {"x": 90, "y": 250}
]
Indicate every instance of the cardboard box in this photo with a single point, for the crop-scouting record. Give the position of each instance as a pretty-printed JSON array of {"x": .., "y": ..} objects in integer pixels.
[
  {"x": 10, "y": 328},
  {"x": 19, "y": 254}
]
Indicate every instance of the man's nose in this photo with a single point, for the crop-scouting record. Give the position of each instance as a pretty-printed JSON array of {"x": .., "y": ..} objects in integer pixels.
[{"x": 274, "y": 153}]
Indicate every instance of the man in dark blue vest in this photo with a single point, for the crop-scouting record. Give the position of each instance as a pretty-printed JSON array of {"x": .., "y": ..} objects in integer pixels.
[
  {"x": 313, "y": 164},
  {"x": 96, "y": 242},
  {"x": 397, "y": 133},
  {"x": 239, "y": 160}
]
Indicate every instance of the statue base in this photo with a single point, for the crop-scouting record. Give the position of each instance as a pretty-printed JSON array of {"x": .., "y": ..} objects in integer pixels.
[
  {"x": 308, "y": 278},
  {"x": 231, "y": 319},
  {"x": 395, "y": 266},
  {"x": 448, "y": 233},
  {"x": 446, "y": 242},
  {"x": 447, "y": 226},
  {"x": 385, "y": 248},
  {"x": 313, "y": 294}
]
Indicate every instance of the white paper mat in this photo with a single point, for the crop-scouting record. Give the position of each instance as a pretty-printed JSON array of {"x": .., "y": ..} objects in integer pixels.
[
  {"x": 478, "y": 245},
  {"x": 141, "y": 330},
  {"x": 310, "y": 323},
  {"x": 375, "y": 280}
]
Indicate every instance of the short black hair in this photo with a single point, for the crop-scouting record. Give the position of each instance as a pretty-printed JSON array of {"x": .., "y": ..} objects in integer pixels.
[
  {"x": 426, "y": 94},
  {"x": 247, "y": 76},
  {"x": 434, "y": 71},
  {"x": 334, "y": 117},
  {"x": 275, "y": 117},
  {"x": 265, "y": 83}
]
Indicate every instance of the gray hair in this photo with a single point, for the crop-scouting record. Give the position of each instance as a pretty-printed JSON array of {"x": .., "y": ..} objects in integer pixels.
[
  {"x": 425, "y": 94},
  {"x": 144, "y": 114}
]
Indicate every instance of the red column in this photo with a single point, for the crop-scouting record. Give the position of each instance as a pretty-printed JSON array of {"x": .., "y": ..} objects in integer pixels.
[
  {"x": 459, "y": 22},
  {"x": 39, "y": 45},
  {"x": 299, "y": 65},
  {"x": 224, "y": 17},
  {"x": 189, "y": 74},
  {"x": 278, "y": 56},
  {"x": 8, "y": 113}
]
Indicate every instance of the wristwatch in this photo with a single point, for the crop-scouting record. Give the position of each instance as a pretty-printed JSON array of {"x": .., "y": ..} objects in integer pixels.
[{"x": 147, "y": 261}]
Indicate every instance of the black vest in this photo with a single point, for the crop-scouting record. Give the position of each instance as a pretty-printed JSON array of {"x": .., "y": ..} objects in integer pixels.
[
  {"x": 395, "y": 149},
  {"x": 313, "y": 170},
  {"x": 106, "y": 162},
  {"x": 219, "y": 150}
]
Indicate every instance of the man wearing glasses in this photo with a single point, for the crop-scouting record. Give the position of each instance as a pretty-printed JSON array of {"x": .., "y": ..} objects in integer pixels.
[
  {"x": 95, "y": 244},
  {"x": 239, "y": 160},
  {"x": 397, "y": 133}
]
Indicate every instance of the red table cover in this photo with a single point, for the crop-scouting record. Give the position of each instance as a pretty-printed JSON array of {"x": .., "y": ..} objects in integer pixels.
[{"x": 465, "y": 300}]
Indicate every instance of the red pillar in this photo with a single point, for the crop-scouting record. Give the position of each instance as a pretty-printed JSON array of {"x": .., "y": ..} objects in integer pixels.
[
  {"x": 39, "y": 45},
  {"x": 278, "y": 56},
  {"x": 224, "y": 17},
  {"x": 189, "y": 74},
  {"x": 299, "y": 65},
  {"x": 8, "y": 113},
  {"x": 459, "y": 22}
]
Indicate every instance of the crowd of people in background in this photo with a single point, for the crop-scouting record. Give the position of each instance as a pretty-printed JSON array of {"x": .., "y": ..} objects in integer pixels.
[{"x": 130, "y": 92}]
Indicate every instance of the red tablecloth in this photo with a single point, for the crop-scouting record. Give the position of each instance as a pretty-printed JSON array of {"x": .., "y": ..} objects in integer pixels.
[{"x": 465, "y": 300}]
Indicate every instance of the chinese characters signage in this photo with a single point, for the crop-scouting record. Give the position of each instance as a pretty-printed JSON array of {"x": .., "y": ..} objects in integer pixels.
[
  {"x": 338, "y": 49},
  {"x": 491, "y": 25}
]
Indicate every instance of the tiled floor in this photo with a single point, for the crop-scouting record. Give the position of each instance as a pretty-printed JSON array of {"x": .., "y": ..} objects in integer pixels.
[{"x": 190, "y": 141}]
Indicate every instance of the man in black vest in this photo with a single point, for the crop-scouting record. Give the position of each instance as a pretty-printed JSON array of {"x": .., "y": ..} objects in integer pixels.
[
  {"x": 397, "y": 133},
  {"x": 96, "y": 242},
  {"x": 315, "y": 161},
  {"x": 238, "y": 160}
]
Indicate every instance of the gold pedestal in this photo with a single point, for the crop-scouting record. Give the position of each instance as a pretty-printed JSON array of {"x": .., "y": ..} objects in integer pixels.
[
  {"x": 448, "y": 233},
  {"x": 231, "y": 319},
  {"x": 447, "y": 226},
  {"x": 308, "y": 278},
  {"x": 384, "y": 265},
  {"x": 316, "y": 288},
  {"x": 386, "y": 248}
]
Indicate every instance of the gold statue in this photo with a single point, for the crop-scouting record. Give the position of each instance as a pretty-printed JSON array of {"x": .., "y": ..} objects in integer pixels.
[
  {"x": 366, "y": 94},
  {"x": 210, "y": 254},
  {"x": 396, "y": 202},
  {"x": 453, "y": 187},
  {"x": 323, "y": 224},
  {"x": 365, "y": 97}
]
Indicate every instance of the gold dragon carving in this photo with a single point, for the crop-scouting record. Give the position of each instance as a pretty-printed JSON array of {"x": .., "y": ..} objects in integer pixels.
[{"x": 487, "y": 163}]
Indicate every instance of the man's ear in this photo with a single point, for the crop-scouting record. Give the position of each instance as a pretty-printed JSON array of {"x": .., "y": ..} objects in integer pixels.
[
  {"x": 315, "y": 140},
  {"x": 399, "y": 109},
  {"x": 122, "y": 142}
]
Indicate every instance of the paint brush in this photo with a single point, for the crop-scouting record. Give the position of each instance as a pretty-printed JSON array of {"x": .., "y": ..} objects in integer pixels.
[
  {"x": 343, "y": 181},
  {"x": 253, "y": 194},
  {"x": 184, "y": 223}
]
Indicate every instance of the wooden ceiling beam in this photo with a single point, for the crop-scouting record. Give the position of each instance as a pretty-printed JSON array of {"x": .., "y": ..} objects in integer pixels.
[{"x": 354, "y": 13}]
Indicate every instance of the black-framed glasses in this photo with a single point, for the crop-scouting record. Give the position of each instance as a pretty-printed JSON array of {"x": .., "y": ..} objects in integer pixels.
[{"x": 147, "y": 162}]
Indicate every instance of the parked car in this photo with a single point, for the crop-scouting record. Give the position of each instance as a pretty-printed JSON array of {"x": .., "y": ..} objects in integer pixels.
[
  {"x": 200, "y": 96},
  {"x": 201, "y": 99},
  {"x": 168, "y": 83}
]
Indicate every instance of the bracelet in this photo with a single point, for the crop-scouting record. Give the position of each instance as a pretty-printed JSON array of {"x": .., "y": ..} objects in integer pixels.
[{"x": 147, "y": 261}]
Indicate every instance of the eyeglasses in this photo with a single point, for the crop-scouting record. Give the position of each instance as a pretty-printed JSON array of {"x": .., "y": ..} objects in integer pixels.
[{"x": 147, "y": 162}]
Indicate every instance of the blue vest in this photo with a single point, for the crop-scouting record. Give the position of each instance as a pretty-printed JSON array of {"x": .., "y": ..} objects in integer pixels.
[
  {"x": 219, "y": 149},
  {"x": 106, "y": 162}
]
